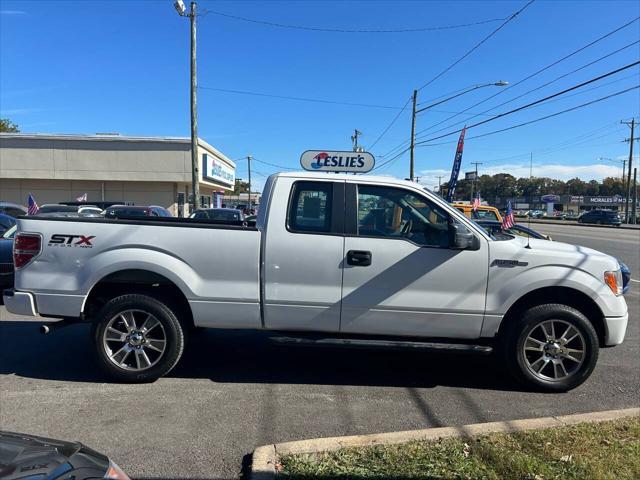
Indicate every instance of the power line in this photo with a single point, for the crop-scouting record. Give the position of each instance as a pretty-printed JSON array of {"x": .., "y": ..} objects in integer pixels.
[
  {"x": 272, "y": 164},
  {"x": 502, "y": 90},
  {"x": 531, "y": 104},
  {"x": 299, "y": 99},
  {"x": 537, "y": 88},
  {"x": 477, "y": 45},
  {"x": 390, "y": 125},
  {"x": 543, "y": 118},
  {"x": 347, "y": 30}
]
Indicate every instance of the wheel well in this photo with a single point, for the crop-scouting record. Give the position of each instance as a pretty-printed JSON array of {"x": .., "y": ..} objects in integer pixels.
[
  {"x": 564, "y": 295},
  {"x": 138, "y": 281}
]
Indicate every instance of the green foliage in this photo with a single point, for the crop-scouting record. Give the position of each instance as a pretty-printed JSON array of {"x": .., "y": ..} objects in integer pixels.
[
  {"x": 240, "y": 187},
  {"x": 7, "y": 126},
  {"x": 608, "y": 450},
  {"x": 506, "y": 185}
]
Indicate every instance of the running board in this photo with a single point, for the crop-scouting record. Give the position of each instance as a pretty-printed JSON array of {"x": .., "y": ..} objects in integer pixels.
[{"x": 394, "y": 344}]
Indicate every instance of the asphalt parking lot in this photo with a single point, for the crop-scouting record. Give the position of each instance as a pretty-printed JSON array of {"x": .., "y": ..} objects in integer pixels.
[{"x": 234, "y": 391}]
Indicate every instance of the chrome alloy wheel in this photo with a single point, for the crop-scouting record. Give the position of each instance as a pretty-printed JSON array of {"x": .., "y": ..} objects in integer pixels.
[
  {"x": 554, "y": 350},
  {"x": 134, "y": 340}
]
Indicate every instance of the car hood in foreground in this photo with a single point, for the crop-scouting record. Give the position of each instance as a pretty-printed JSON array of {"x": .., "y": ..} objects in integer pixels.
[{"x": 26, "y": 456}]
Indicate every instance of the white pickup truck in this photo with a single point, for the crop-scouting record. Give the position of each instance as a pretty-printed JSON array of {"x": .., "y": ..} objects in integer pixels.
[{"x": 333, "y": 259}]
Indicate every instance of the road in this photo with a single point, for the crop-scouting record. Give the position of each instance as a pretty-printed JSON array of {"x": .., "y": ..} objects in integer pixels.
[{"x": 234, "y": 391}]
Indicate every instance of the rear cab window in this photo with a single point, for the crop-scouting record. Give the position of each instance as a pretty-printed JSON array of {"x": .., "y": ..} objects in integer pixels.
[{"x": 310, "y": 207}]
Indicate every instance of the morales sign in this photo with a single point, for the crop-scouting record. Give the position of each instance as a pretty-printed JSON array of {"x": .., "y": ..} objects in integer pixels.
[
  {"x": 326, "y": 161},
  {"x": 214, "y": 169}
]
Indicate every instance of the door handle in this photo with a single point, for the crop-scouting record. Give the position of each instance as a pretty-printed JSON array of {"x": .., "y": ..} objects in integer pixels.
[{"x": 359, "y": 258}]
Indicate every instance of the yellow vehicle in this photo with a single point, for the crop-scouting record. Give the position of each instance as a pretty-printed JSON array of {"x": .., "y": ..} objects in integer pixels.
[{"x": 484, "y": 212}]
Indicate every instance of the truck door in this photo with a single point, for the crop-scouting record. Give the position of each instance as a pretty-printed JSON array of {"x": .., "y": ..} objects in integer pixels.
[
  {"x": 302, "y": 255},
  {"x": 400, "y": 275}
]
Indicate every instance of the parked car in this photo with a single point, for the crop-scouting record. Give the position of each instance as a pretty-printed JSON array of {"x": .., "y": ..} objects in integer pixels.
[
  {"x": 6, "y": 258},
  {"x": 601, "y": 217},
  {"x": 220, "y": 214},
  {"x": 6, "y": 222},
  {"x": 333, "y": 260},
  {"x": 117, "y": 211},
  {"x": 24, "y": 456},
  {"x": 535, "y": 214},
  {"x": 12, "y": 209},
  {"x": 495, "y": 228},
  {"x": 483, "y": 212}
]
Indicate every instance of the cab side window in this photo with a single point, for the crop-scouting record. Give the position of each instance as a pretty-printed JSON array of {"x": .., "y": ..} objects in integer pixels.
[
  {"x": 397, "y": 213},
  {"x": 310, "y": 207}
]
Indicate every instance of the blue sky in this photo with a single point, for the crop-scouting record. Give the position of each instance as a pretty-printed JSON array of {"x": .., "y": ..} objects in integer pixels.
[{"x": 119, "y": 66}]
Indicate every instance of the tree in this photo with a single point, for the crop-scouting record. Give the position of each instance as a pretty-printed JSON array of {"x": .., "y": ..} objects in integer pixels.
[
  {"x": 575, "y": 186},
  {"x": 240, "y": 187},
  {"x": 7, "y": 126}
]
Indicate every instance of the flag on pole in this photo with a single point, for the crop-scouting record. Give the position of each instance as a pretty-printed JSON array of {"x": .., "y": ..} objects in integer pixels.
[
  {"x": 509, "y": 219},
  {"x": 456, "y": 167},
  {"x": 32, "y": 206},
  {"x": 476, "y": 202},
  {"x": 82, "y": 198}
]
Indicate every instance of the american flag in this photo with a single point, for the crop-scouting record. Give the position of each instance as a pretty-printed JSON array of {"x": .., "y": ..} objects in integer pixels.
[
  {"x": 82, "y": 198},
  {"x": 33, "y": 206},
  {"x": 509, "y": 219},
  {"x": 476, "y": 202}
]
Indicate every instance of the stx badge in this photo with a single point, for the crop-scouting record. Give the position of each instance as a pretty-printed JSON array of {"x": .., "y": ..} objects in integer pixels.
[{"x": 64, "y": 240}]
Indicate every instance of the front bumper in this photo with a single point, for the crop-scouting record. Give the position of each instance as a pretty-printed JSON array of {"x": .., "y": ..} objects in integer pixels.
[
  {"x": 616, "y": 328},
  {"x": 19, "y": 303}
]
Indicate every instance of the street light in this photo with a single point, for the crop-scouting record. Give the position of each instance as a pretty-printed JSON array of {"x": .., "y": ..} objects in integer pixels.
[
  {"x": 499, "y": 83},
  {"x": 195, "y": 171}
]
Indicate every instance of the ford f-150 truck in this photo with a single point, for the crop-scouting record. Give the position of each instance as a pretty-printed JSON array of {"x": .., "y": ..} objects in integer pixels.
[{"x": 333, "y": 259}]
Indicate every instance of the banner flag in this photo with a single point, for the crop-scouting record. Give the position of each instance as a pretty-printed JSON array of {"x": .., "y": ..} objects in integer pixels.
[{"x": 456, "y": 167}]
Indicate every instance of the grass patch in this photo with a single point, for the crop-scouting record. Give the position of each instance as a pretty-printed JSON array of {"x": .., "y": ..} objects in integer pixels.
[{"x": 607, "y": 450}]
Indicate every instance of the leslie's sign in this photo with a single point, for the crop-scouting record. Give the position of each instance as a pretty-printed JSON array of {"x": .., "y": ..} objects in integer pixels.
[{"x": 325, "y": 161}]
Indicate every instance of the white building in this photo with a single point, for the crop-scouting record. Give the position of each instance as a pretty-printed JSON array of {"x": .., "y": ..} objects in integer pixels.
[{"x": 138, "y": 170}]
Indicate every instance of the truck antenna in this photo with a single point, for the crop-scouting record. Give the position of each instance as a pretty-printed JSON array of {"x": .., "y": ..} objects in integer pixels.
[{"x": 529, "y": 215}]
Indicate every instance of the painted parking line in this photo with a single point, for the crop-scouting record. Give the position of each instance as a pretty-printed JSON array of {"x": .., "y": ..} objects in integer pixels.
[{"x": 634, "y": 280}]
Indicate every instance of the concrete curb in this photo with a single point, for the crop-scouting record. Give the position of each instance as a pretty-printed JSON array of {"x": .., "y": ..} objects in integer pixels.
[{"x": 265, "y": 457}]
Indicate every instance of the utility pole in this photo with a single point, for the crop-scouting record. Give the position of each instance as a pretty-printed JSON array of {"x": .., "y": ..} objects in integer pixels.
[
  {"x": 440, "y": 184},
  {"x": 475, "y": 179},
  {"x": 195, "y": 170},
  {"x": 249, "y": 169},
  {"x": 628, "y": 195},
  {"x": 634, "y": 211},
  {"x": 413, "y": 134},
  {"x": 354, "y": 140}
]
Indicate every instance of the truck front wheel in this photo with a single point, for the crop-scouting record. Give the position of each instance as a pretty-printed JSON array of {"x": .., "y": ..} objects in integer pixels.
[
  {"x": 137, "y": 338},
  {"x": 551, "y": 347}
]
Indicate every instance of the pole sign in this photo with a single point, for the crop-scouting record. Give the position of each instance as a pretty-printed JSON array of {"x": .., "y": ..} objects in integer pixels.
[{"x": 326, "y": 161}]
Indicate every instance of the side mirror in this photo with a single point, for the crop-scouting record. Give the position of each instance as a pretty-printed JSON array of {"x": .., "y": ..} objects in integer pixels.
[{"x": 460, "y": 238}]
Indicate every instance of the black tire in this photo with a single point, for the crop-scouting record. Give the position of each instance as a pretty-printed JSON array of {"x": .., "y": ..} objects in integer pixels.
[
  {"x": 172, "y": 331},
  {"x": 519, "y": 362}
]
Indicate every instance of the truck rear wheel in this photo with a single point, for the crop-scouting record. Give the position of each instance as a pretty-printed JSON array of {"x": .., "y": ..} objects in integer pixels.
[
  {"x": 551, "y": 347},
  {"x": 137, "y": 338}
]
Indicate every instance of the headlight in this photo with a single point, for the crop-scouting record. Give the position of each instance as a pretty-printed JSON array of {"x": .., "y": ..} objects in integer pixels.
[
  {"x": 614, "y": 281},
  {"x": 115, "y": 473}
]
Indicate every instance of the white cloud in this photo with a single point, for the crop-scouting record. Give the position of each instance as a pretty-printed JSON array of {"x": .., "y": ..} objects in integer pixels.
[
  {"x": 12, "y": 12},
  {"x": 596, "y": 171}
]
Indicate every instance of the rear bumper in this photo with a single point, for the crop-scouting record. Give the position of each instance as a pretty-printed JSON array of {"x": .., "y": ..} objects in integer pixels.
[
  {"x": 616, "y": 329},
  {"x": 20, "y": 303}
]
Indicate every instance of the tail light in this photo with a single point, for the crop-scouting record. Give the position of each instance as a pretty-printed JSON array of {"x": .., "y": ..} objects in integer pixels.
[{"x": 26, "y": 247}]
